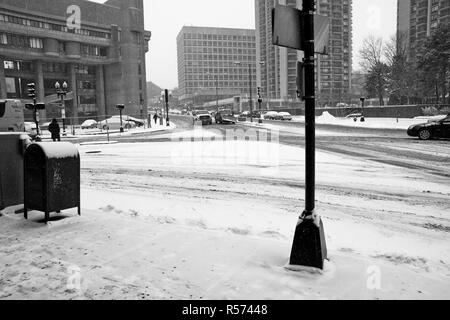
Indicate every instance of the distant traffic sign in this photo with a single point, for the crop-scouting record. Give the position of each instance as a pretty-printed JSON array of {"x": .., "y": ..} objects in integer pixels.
[{"x": 287, "y": 26}]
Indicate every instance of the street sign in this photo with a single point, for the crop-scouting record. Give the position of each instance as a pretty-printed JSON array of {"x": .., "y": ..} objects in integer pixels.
[
  {"x": 300, "y": 79},
  {"x": 287, "y": 27},
  {"x": 63, "y": 113}
]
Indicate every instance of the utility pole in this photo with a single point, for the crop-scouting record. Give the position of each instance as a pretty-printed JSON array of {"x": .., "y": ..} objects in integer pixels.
[
  {"x": 166, "y": 98},
  {"x": 309, "y": 247},
  {"x": 120, "y": 107}
]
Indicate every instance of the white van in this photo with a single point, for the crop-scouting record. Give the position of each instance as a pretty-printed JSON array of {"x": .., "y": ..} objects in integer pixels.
[{"x": 11, "y": 116}]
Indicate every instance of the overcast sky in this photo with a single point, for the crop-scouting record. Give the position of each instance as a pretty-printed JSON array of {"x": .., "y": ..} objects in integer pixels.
[{"x": 165, "y": 18}]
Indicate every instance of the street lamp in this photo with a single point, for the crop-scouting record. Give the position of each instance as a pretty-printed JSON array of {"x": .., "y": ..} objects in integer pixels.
[
  {"x": 165, "y": 95},
  {"x": 362, "y": 109},
  {"x": 120, "y": 107},
  {"x": 250, "y": 76},
  {"x": 216, "y": 77},
  {"x": 62, "y": 92}
]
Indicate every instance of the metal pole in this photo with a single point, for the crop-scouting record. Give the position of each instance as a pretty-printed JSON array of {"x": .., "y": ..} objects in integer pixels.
[
  {"x": 309, "y": 247},
  {"x": 36, "y": 117},
  {"x": 251, "y": 98},
  {"x": 217, "y": 93},
  {"x": 167, "y": 114},
  {"x": 121, "y": 125},
  {"x": 310, "y": 103},
  {"x": 63, "y": 108}
]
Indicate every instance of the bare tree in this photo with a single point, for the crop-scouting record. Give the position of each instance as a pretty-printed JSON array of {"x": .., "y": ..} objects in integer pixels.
[
  {"x": 371, "y": 53},
  {"x": 373, "y": 65},
  {"x": 402, "y": 75}
]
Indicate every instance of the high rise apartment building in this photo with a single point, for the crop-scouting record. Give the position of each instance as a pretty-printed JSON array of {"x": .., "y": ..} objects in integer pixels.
[
  {"x": 277, "y": 76},
  {"x": 417, "y": 19}
]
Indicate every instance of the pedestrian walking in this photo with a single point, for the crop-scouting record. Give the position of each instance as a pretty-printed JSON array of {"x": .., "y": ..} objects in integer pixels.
[{"x": 55, "y": 130}]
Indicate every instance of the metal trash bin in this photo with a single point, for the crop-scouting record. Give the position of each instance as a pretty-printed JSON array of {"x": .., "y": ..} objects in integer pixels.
[
  {"x": 51, "y": 178},
  {"x": 12, "y": 148}
]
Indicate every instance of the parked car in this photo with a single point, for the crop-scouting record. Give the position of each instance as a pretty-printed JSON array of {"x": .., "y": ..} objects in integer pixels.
[
  {"x": 271, "y": 115},
  {"x": 354, "y": 115},
  {"x": 137, "y": 122},
  {"x": 225, "y": 117},
  {"x": 113, "y": 123},
  {"x": 197, "y": 112},
  {"x": 44, "y": 126},
  {"x": 30, "y": 128},
  {"x": 431, "y": 130},
  {"x": 285, "y": 116},
  {"x": 89, "y": 124},
  {"x": 205, "y": 118}
]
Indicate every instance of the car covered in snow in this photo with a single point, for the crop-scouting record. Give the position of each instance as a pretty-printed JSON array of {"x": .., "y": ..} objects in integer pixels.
[
  {"x": 30, "y": 128},
  {"x": 354, "y": 115},
  {"x": 272, "y": 115},
  {"x": 89, "y": 124},
  {"x": 113, "y": 123},
  {"x": 285, "y": 116},
  {"x": 434, "y": 129}
]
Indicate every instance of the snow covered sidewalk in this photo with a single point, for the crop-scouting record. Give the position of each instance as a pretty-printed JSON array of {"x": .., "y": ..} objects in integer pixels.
[{"x": 169, "y": 220}]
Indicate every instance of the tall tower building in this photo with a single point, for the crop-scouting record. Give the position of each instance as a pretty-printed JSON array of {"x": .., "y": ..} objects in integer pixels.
[
  {"x": 417, "y": 19},
  {"x": 277, "y": 76}
]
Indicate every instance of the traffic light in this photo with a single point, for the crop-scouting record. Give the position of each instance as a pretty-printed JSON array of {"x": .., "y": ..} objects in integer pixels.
[
  {"x": 258, "y": 91},
  {"x": 31, "y": 90}
]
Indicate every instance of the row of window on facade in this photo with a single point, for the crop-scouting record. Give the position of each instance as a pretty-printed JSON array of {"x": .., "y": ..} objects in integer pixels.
[
  {"x": 47, "y": 67},
  {"x": 206, "y": 57},
  {"x": 219, "y": 37},
  {"x": 16, "y": 88},
  {"x": 52, "y": 26},
  {"x": 21, "y": 41},
  {"x": 212, "y": 84},
  {"x": 219, "y": 50},
  {"x": 219, "y": 44}
]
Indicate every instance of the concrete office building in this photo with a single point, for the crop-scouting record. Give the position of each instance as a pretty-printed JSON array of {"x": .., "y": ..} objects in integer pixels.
[
  {"x": 417, "y": 19},
  {"x": 277, "y": 76},
  {"x": 102, "y": 59},
  {"x": 206, "y": 63}
]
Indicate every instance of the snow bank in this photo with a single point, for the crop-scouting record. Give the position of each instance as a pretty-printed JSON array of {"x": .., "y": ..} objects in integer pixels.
[{"x": 326, "y": 117}]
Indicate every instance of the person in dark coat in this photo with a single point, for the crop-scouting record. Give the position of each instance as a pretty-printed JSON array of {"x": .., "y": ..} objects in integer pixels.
[{"x": 55, "y": 130}]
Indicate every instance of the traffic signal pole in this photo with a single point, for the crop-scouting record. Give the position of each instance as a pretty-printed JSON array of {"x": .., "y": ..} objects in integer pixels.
[{"x": 309, "y": 247}]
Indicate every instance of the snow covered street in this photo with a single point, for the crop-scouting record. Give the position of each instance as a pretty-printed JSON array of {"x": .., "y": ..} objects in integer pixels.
[{"x": 215, "y": 219}]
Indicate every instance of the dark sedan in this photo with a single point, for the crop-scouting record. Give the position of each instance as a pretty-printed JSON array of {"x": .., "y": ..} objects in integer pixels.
[{"x": 433, "y": 129}]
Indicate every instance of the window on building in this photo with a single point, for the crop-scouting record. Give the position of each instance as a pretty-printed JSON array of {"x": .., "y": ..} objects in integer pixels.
[
  {"x": 9, "y": 65},
  {"x": 3, "y": 39},
  {"x": 36, "y": 43}
]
